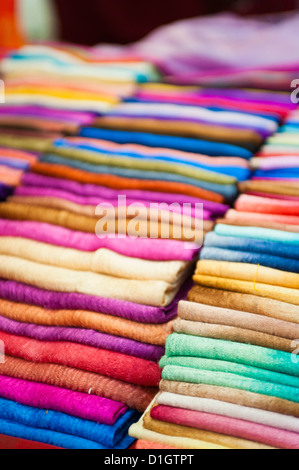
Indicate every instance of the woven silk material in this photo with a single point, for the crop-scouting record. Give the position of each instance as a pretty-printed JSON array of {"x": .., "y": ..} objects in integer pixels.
[
  {"x": 217, "y": 133},
  {"x": 249, "y": 203},
  {"x": 269, "y": 187},
  {"x": 284, "y": 250},
  {"x": 52, "y": 438},
  {"x": 77, "y": 222},
  {"x": 149, "y": 165},
  {"x": 258, "y": 218},
  {"x": 228, "y": 426},
  {"x": 102, "y": 261},
  {"x": 193, "y": 312},
  {"x": 227, "y": 190},
  {"x": 18, "y": 292},
  {"x": 231, "y": 381},
  {"x": 121, "y": 183},
  {"x": 232, "y": 367},
  {"x": 232, "y": 333},
  {"x": 268, "y": 261},
  {"x": 105, "y": 324},
  {"x": 154, "y": 293},
  {"x": 263, "y": 290},
  {"x": 204, "y": 405},
  {"x": 115, "y": 365},
  {"x": 244, "y": 302},
  {"x": 47, "y": 397},
  {"x": 83, "y": 336},
  {"x": 153, "y": 249},
  {"x": 133, "y": 396},
  {"x": 248, "y": 272},
  {"x": 233, "y": 396},
  {"x": 58, "y": 422},
  {"x": 179, "y": 143},
  {"x": 277, "y": 361},
  {"x": 139, "y": 431},
  {"x": 257, "y": 221},
  {"x": 33, "y": 180},
  {"x": 208, "y": 436},
  {"x": 148, "y": 445},
  {"x": 260, "y": 234},
  {"x": 160, "y": 110}
]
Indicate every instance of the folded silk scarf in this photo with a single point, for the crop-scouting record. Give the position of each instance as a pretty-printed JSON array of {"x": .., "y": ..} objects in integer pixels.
[
  {"x": 244, "y": 302},
  {"x": 134, "y": 396},
  {"x": 101, "y": 261},
  {"x": 58, "y": 422},
  {"x": 255, "y": 356},
  {"x": 59, "y": 440},
  {"x": 232, "y": 333},
  {"x": 261, "y": 217},
  {"x": 233, "y": 396},
  {"x": 239, "y": 369},
  {"x": 34, "y": 180},
  {"x": 148, "y": 165},
  {"x": 115, "y": 365},
  {"x": 228, "y": 191},
  {"x": 281, "y": 250},
  {"x": 121, "y": 222},
  {"x": 204, "y": 405},
  {"x": 139, "y": 431},
  {"x": 257, "y": 223},
  {"x": 247, "y": 257},
  {"x": 231, "y": 381},
  {"x": 213, "y": 437},
  {"x": 227, "y": 426},
  {"x": 155, "y": 293},
  {"x": 93, "y": 322},
  {"x": 83, "y": 336},
  {"x": 240, "y": 137},
  {"x": 249, "y": 203},
  {"x": 134, "y": 168},
  {"x": 151, "y": 249},
  {"x": 179, "y": 143},
  {"x": 269, "y": 187},
  {"x": 261, "y": 290},
  {"x": 121, "y": 183},
  {"x": 260, "y": 234},
  {"x": 147, "y": 445},
  {"x": 141, "y": 228},
  {"x": 197, "y": 312},
  {"x": 47, "y": 397},
  {"x": 17, "y": 292},
  {"x": 248, "y": 272}
]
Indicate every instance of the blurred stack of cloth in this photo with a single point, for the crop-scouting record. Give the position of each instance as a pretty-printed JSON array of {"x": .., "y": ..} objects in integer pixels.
[
  {"x": 13, "y": 163},
  {"x": 231, "y": 370},
  {"x": 85, "y": 313}
]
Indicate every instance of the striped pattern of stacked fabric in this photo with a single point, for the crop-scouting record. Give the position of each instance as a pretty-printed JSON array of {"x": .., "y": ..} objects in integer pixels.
[
  {"x": 13, "y": 164},
  {"x": 79, "y": 366},
  {"x": 230, "y": 373}
]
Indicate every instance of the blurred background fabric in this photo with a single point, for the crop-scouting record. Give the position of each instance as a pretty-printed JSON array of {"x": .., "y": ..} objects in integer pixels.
[
  {"x": 117, "y": 21},
  {"x": 122, "y": 22}
]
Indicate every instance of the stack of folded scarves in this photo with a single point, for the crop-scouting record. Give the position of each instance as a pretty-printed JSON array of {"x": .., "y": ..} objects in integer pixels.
[
  {"x": 230, "y": 374},
  {"x": 54, "y": 89}
]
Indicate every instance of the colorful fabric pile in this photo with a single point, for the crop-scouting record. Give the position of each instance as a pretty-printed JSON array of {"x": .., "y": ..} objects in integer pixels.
[
  {"x": 86, "y": 306},
  {"x": 230, "y": 373}
]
